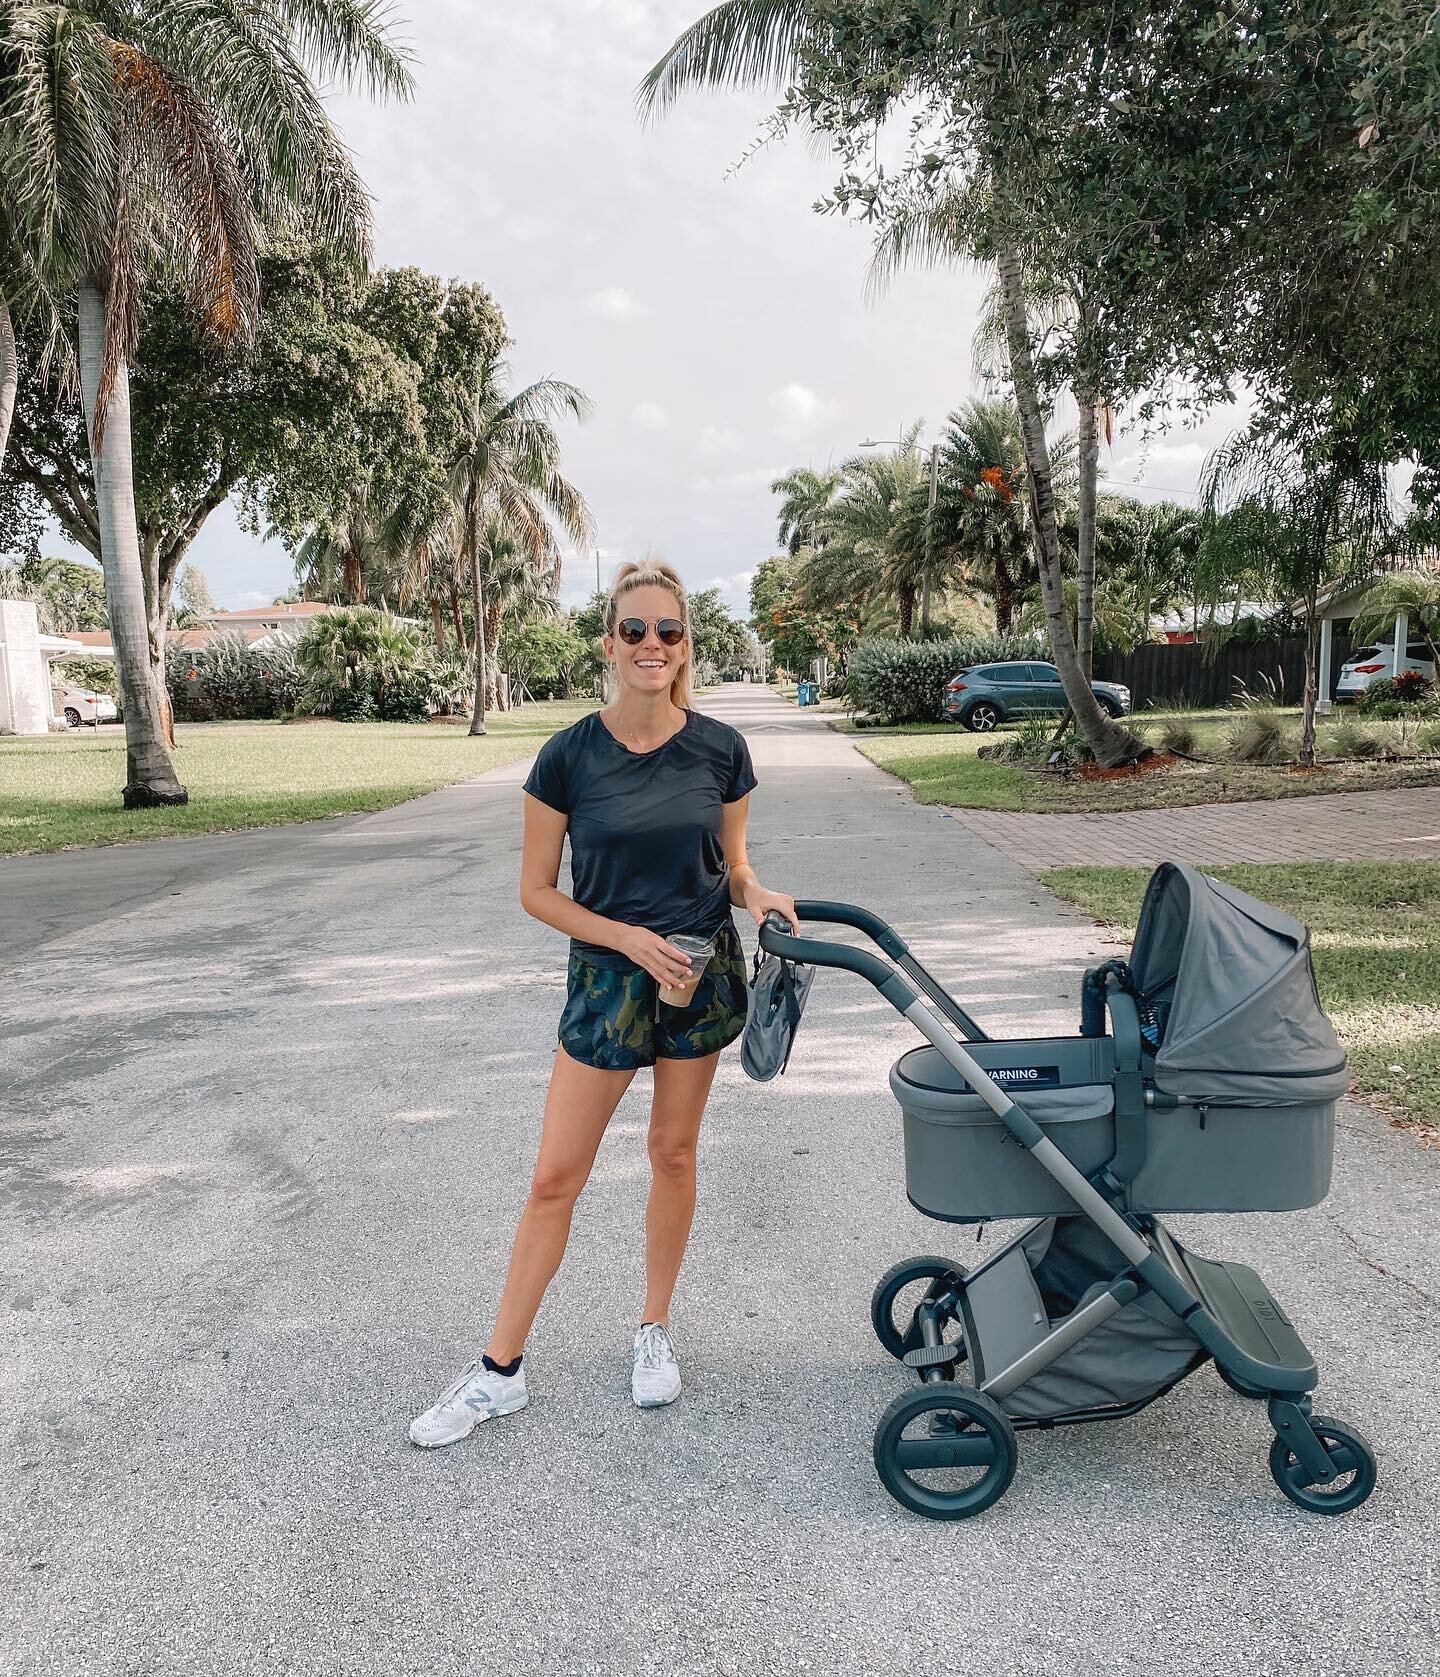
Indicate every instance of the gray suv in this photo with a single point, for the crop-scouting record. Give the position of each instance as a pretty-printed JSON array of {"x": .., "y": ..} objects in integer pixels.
[{"x": 989, "y": 694}]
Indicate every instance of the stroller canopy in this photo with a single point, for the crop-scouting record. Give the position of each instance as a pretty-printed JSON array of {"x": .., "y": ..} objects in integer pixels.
[{"x": 1234, "y": 995}]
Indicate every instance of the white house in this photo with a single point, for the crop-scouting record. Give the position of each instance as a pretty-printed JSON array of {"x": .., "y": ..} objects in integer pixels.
[{"x": 25, "y": 658}]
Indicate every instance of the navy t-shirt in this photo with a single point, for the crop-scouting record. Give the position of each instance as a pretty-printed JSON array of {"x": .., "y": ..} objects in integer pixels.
[{"x": 645, "y": 825}]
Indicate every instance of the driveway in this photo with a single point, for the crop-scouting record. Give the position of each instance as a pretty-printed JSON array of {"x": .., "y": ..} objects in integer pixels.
[{"x": 270, "y": 1103}]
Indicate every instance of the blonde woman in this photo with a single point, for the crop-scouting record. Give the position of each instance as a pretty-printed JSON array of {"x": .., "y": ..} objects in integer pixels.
[{"x": 653, "y": 796}]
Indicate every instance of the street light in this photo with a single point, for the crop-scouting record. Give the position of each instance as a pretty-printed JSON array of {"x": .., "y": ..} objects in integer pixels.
[{"x": 934, "y": 453}]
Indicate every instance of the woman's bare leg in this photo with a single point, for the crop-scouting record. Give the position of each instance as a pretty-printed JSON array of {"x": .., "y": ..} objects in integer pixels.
[
  {"x": 681, "y": 1089},
  {"x": 579, "y": 1104}
]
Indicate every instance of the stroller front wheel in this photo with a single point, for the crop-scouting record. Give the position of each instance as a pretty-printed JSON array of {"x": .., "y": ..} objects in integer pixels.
[
  {"x": 946, "y": 1451},
  {"x": 897, "y": 1329},
  {"x": 1351, "y": 1457}
]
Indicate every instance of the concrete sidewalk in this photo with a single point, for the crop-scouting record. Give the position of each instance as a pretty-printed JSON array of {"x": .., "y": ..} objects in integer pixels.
[{"x": 268, "y": 1116}]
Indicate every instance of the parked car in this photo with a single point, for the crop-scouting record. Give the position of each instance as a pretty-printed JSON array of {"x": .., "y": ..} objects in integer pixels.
[
  {"x": 1371, "y": 663},
  {"x": 989, "y": 694},
  {"x": 81, "y": 704}
]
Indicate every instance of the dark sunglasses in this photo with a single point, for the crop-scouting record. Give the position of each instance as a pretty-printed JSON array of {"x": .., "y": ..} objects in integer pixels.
[{"x": 631, "y": 630}]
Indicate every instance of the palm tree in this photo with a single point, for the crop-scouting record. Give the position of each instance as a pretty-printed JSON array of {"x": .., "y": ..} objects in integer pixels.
[
  {"x": 872, "y": 534},
  {"x": 507, "y": 481},
  {"x": 805, "y": 497},
  {"x": 156, "y": 140},
  {"x": 1152, "y": 544},
  {"x": 515, "y": 581},
  {"x": 1282, "y": 520}
]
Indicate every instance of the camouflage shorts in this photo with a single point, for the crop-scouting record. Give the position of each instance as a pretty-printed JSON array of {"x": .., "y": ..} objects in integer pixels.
[{"x": 613, "y": 1018}]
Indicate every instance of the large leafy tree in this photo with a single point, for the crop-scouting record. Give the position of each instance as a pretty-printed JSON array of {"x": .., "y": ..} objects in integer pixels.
[
  {"x": 322, "y": 405},
  {"x": 152, "y": 141}
]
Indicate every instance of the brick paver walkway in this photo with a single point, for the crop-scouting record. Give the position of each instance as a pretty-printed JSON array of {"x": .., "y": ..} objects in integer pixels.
[{"x": 1342, "y": 827}]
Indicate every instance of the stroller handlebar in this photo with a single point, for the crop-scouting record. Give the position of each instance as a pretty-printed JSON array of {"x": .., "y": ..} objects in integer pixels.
[{"x": 900, "y": 989}]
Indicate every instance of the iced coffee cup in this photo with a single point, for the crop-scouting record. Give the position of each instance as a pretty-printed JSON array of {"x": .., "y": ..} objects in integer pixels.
[{"x": 699, "y": 949}]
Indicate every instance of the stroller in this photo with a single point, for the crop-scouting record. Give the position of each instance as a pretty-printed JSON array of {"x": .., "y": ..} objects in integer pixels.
[{"x": 1212, "y": 1090}]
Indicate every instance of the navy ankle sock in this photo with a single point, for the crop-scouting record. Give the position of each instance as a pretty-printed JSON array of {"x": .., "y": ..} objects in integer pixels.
[{"x": 506, "y": 1369}]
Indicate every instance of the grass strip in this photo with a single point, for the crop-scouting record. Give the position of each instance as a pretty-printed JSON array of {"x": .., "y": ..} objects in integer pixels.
[
  {"x": 1375, "y": 936},
  {"x": 62, "y": 791}
]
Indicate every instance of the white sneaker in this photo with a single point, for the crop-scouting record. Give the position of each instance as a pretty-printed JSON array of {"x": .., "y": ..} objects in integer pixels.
[
  {"x": 478, "y": 1395},
  {"x": 655, "y": 1378}
]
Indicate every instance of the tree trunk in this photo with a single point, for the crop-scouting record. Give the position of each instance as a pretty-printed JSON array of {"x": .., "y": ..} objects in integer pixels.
[
  {"x": 1312, "y": 637},
  {"x": 477, "y": 720},
  {"x": 437, "y": 623},
  {"x": 149, "y": 774},
  {"x": 1111, "y": 743},
  {"x": 458, "y": 618},
  {"x": 1089, "y": 441},
  {"x": 494, "y": 613},
  {"x": 907, "y": 610},
  {"x": 1004, "y": 597},
  {"x": 9, "y": 374}
]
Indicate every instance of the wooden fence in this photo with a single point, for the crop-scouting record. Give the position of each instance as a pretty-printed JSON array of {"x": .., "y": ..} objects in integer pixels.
[{"x": 1208, "y": 675}]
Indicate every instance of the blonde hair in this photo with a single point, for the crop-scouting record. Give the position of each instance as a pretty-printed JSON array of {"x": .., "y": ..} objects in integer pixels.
[{"x": 652, "y": 573}]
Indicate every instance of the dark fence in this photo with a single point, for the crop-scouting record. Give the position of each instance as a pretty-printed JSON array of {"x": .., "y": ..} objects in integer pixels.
[{"x": 1208, "y": 675}]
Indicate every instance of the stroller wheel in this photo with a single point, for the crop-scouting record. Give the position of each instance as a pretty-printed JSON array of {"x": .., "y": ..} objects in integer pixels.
[
  {"x": 1351, "y": 1456},
  {"x": 946, "y": 1451},
  {"x": 898, "y": 1295}
]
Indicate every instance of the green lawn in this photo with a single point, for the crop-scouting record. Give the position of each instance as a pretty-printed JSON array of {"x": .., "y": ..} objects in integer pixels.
[
  {"x": 939, "y": 760},
  {"x": 1375, "y": 931},
  {"x": 63, "y": 791}
]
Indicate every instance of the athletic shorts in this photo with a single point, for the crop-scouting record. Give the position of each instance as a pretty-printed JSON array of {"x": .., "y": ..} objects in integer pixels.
[{"x": 614, "y": 1019}]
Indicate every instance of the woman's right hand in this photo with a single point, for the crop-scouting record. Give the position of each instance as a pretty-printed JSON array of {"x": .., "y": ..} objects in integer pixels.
[{"x": 663, "y": 961}]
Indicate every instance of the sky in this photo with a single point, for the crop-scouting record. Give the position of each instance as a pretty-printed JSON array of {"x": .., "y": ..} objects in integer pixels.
[{"x": 676, "y": 273}]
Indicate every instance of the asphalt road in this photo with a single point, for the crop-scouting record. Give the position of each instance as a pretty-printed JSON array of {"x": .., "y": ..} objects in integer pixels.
[{"x": 269, "y": 1105}]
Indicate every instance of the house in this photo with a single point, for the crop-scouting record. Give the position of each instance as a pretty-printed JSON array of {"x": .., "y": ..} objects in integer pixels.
[
  {"x": 263, "y": 625},
  {"x": 1344, "y": 602},
  {"x": 26, "y": 705}
]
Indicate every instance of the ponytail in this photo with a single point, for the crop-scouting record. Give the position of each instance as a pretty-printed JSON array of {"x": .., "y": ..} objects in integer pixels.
[{"x": 653, "y": 573}]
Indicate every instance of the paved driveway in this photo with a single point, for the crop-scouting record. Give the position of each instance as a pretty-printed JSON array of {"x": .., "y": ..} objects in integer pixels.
[{"x": 270, "y": 1102}]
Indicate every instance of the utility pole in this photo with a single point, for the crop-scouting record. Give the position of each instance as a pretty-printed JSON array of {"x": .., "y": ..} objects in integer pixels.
[
  {"x": 929, "y": 532},
  {"x": 597, "y": 570}
]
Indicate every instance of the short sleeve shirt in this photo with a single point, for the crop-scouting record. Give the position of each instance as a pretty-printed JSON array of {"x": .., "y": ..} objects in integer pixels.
[{"x": 644, "y": 827}]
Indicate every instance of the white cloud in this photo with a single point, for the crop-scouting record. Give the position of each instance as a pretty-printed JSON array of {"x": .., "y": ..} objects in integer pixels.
[
  {"x": 650, "y": 416},
  {"x": 756, "y": 477},
  {"x": 734, "y": 591},
  {"x": 718, "y": 440},
  {"x": 615, "y": 303},
  {"x": 799, "y": 411}
]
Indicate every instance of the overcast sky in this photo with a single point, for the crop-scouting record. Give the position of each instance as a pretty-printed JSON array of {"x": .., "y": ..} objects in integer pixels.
[{"x": 718, "y": 325}]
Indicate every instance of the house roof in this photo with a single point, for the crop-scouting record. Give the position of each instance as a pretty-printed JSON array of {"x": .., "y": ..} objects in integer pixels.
[
  {"x": 1344, "y": 597},
  {"x": 265, "y": 614}
]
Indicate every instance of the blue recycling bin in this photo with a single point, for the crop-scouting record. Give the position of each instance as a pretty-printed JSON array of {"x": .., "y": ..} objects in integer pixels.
[{"x": 807, "y": 693}]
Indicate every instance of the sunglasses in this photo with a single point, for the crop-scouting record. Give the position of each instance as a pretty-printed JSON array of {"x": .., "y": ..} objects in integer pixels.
[{"x": 631, "y": 630}]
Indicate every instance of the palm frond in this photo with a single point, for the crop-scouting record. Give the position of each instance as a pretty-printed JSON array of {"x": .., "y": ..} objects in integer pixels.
[{"x": 743, "y": 43}]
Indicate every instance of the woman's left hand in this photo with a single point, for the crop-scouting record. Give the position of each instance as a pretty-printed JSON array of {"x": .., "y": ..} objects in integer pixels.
[{"x": 761, "y": 902}]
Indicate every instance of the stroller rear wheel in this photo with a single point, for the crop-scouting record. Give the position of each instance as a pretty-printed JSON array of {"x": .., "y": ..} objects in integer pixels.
[
  {"x": 898, "y": 1296},
  {"x": 1351, "y": 1457},
  {"x": 946, "y": 1451}
]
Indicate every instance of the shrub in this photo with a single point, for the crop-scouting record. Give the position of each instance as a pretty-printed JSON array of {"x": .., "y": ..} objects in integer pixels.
[
  {"x": 232, "y": 681},
  {"x": 904, "y": 681},
  {"x": 353, "y": 704},
  {"x": 1178, "y": 734},
  {"x": 1258, "y": 735},
  {"x": 406, "y": 699},
  {"x": 1411, "y": 687},
  {"x": 1427, "y": 737},
  {"x": 1354, "y": 741}
]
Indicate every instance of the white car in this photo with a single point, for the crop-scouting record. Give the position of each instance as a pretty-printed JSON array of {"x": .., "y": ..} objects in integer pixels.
[
  {"x": 1375, "y": 663},
  {"x": 80, "y": 704}
]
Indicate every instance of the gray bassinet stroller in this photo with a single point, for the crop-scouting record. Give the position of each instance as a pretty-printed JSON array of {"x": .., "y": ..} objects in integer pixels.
[{"x": 1213, "y": 1089}]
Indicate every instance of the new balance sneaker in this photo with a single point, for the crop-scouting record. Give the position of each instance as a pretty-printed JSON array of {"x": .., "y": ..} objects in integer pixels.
[
  {"x": 655, "y": 1378},
  {"x": 478, "y": 1395}
]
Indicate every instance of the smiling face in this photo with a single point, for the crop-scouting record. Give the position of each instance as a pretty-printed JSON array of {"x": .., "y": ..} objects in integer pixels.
[{"x": 651, "y": 666}]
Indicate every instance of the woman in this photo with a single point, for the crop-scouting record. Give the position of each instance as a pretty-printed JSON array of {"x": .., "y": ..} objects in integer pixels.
[{"x": 653, "y": 796}]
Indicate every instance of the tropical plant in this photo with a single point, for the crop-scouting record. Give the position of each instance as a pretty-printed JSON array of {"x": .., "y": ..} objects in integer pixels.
[
  {"x": 154, "y": 141},
  {"x": 354, "y": 656},
  {"x": 1416, "y": 593},
  {"x": 805, "y": 498},
  {"x": 1285, "y": 518},
  {"x": 544, "y": 657},
  {"x": 506, "y": 486}
]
